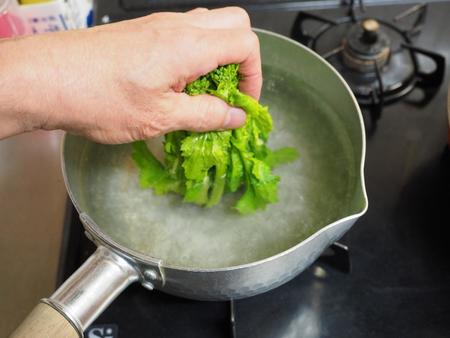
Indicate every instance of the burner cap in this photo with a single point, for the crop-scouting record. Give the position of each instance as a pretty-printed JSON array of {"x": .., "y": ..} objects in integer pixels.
[
  {"x": 370, "y": 28},
  {"x": 366, "y": 45}
]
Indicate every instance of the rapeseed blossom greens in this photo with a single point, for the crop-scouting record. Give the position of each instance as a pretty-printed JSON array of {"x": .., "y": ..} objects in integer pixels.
[{"x": 203, "y": 166}]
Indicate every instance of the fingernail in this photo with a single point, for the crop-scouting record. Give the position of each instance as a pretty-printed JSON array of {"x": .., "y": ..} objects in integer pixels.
[{"x": 236, "y": 118}]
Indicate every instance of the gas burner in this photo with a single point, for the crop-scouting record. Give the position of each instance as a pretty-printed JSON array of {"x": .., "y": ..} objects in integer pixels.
[
  {"x": 365, "y": 46},
  {"x": 376, "y": 57}
]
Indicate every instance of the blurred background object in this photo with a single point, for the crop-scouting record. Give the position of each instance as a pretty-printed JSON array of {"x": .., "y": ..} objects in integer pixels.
[
  {"x": 11, "y": 23},
  {"x": 26, "y": 17}
]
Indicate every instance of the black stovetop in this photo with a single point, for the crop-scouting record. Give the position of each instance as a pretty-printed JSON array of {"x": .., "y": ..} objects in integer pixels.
[{"x": 399, "y": 285}]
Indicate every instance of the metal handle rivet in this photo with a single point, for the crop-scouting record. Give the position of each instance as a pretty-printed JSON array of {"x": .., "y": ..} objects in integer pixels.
[
  {"x": 148, "y": 285},
  {"x": 150, "y": 274}
]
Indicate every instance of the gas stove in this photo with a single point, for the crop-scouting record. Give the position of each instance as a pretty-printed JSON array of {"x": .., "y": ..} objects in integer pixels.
[{"x": 398, "y": 282}]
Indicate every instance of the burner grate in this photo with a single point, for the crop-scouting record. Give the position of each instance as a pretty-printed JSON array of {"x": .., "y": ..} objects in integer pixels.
[{"x": 376, "y": 57}]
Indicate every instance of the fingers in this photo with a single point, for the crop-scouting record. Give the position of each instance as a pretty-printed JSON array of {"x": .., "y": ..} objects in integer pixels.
[
  {"x": 228, "y": 17},
  {"x": 224, "y": 46},
  {"x": 198, "y": 10},
  {"x": 223, "y": 36},
  {"x": 203, "y": 113},
  {"x": 240, "y": 46},
  {"x": 250, "y": 70}
]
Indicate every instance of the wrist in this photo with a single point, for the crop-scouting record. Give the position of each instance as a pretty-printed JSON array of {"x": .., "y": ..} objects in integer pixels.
[{"x": 24, "y": 86}]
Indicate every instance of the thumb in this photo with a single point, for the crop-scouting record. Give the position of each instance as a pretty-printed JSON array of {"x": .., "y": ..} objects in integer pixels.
[{"x": 204, "y": 113}]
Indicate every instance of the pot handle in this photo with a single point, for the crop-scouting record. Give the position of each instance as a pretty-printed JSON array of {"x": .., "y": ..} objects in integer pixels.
[
  {"x": 81, "y": 298},
  {"x": 45, "y": 321}
]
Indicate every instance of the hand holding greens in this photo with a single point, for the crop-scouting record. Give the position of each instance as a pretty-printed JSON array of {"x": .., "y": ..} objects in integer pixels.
[{"x": 202, "y": 166}]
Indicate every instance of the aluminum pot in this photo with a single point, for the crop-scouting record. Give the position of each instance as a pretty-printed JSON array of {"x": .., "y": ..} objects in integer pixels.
[{"x": 216, "y": 254}]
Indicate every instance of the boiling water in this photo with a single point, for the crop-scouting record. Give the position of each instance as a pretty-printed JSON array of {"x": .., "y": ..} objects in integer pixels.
[{"x": 314, "y": 191}]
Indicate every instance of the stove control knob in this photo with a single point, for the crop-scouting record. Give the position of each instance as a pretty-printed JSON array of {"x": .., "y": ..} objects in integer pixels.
[{"x": 370, "y": 28}]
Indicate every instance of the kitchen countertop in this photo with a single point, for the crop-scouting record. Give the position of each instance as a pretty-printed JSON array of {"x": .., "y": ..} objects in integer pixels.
[{"x": 32, "y": 207}]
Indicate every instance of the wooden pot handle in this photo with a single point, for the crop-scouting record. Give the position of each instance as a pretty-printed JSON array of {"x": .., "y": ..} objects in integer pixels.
[{"x": 45, "y": 322}]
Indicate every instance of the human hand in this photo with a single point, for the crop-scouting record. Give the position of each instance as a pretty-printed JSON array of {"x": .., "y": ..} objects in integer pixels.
[{"x": 122, "y": 82}]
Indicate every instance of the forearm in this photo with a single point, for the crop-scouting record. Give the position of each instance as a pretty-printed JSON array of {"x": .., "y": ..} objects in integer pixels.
[
  {"x": 123, "y": 82},
  {"x": 25, "y": 84}
]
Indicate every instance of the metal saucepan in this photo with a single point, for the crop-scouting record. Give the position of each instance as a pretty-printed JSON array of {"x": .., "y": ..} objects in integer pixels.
[{"x": 216, "y": 254}]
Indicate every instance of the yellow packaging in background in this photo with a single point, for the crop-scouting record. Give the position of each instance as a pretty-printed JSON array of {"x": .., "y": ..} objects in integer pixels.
[{"x": 30, "y": 2}]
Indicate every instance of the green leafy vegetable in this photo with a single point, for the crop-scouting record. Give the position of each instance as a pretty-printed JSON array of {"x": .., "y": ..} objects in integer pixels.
[
  {"x": 152, "y": 174},
  {"x": 202, "y": 166},
  {"x": 281, "y": 156}
]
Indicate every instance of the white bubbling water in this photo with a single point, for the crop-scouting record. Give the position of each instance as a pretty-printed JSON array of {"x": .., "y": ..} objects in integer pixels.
[{"x": 314, "y": 191}]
